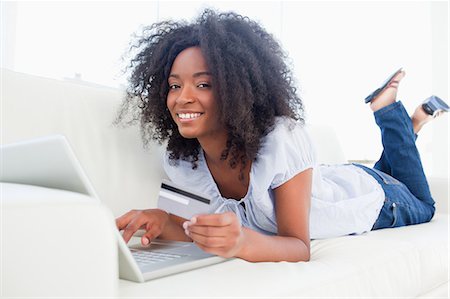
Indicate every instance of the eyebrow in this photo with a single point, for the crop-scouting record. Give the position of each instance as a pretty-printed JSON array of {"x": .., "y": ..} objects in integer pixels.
[{"x": 195, "y": 75}]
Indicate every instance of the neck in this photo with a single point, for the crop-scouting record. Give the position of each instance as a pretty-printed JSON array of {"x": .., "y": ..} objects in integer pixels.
[{"x": 213, "y": 148}]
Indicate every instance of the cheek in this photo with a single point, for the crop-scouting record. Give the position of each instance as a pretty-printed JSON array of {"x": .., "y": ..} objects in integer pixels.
[
  {"x": 213, "y": 106},
  {"x": 209, "y": 102},
  {"x": 170, "y": 103}
]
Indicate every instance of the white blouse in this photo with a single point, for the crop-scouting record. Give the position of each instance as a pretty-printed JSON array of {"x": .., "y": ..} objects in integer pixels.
[{"x": 345, "y": 199}]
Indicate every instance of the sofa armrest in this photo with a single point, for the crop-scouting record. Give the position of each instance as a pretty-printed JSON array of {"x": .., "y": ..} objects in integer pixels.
[
  {"x": 55, "y": 244},
  {"x": 439, "y": 191}
]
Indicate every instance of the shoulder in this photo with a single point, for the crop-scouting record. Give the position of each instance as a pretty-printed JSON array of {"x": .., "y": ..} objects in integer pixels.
[
  {"x": 285, "y": 151},
  {"x": 287, "y": 135},
  {"x": 285, "y": 127}
]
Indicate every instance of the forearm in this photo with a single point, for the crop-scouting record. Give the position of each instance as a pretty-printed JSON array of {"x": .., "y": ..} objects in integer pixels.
[
  {"x": 262, "y": 248},
  {"x": 174, "y": 230}
]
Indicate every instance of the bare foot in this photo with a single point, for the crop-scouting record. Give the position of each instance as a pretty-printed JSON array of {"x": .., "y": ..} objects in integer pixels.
[
  {"x": 420, "y": 117},
  {"x": 388, "y": 95}
]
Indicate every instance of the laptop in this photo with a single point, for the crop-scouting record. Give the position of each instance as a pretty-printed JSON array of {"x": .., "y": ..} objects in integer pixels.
[{"x": 26, "y": 162}]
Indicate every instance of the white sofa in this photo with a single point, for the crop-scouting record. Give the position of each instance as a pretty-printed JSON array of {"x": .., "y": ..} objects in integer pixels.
[{"x": 58, "y": 244}]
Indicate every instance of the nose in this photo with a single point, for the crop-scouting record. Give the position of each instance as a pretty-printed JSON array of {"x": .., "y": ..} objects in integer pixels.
[{"x": 186, "y": 96}]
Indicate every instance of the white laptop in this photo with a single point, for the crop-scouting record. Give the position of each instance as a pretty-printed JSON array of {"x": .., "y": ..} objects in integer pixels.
[{"x": 27, "y": 162}]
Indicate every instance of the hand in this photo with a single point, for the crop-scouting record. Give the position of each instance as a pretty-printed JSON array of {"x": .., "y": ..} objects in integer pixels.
[
  {"x": 152, "y": 220},
  {"x": 219, "y": 234}
]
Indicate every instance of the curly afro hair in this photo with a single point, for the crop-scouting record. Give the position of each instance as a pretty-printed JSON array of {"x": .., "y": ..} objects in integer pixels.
[{"x": 251, "y": 81}]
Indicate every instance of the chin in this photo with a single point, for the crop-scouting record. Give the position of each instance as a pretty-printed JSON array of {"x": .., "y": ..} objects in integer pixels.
[{"x": 188, "y": 135}]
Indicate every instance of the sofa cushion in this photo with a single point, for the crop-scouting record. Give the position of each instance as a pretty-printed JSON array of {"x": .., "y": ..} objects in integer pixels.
[{"x": 399, "y": 262}]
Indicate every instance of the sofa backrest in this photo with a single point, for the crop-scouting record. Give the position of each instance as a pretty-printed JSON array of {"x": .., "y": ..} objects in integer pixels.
[{"x": 125, "y": 175}]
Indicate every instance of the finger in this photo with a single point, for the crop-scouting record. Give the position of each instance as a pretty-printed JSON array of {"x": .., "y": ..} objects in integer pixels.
[
  {"x": 220, "y": 251},
  {"x": 208, "y": 242},
  {"x": 210, "y": 250},
  {"x": 147, "y": 238},
  {"x": 153, "y": 231},
  {"x": 205, "y": 249},
  {"x": 132, "y": 228},
  {"x": 210, "y": 231},
  {"x": 222, "y": 219},
  {"x": 122, "y": 221}
]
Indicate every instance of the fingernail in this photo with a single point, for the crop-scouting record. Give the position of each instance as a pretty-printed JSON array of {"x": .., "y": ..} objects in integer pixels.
[
  {"x": 185, "y": 224},
  {"x": 193, "y": 220},
  {"x": 186, "y": 232},
  {"x": 145, "y": 241}
]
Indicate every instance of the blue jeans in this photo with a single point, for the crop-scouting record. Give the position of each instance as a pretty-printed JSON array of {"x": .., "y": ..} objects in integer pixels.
[{"x": 399, "y": 171}]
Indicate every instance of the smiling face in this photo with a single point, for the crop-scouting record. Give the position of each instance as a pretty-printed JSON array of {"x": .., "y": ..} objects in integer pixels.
[{"x": 191, "y": 99}]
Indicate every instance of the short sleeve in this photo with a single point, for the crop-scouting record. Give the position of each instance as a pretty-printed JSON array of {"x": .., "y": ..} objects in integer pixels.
[{"x": 286, "y": 152}]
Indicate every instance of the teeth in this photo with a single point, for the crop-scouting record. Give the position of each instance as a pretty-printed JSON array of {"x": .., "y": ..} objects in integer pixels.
[{"x": 188, "y": 115}]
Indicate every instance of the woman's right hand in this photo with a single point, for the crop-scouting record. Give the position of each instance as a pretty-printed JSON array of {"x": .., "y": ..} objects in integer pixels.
[{"x": 152, "y": 221}]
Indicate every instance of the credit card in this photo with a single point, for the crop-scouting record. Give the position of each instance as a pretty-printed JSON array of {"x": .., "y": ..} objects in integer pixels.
[{"x": 182, "y": 202}]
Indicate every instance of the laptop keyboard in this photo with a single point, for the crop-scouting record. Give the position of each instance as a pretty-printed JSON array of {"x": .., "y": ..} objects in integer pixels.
[{"x": 151, "y": 257}]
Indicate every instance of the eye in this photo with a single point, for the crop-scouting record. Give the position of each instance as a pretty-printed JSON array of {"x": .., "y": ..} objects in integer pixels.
[
  {"x": 204, "y": 85},
  {"x": 174, "y": 86}
]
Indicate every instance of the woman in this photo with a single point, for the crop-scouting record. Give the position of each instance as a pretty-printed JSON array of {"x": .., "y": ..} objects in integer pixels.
[{"x": 219, "y": 92}]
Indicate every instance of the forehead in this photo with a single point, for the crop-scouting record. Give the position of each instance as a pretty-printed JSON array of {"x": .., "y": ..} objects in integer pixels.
[{"x": 190, "y": 59}]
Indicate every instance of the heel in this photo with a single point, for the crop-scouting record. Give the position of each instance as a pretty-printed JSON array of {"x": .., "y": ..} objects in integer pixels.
[
  {"x": 385, "y": 84},
  {"x": 434, "y": 105}
]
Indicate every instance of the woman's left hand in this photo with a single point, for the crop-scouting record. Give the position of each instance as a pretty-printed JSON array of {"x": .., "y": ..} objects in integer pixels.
[{"x": 219, "y": 234}]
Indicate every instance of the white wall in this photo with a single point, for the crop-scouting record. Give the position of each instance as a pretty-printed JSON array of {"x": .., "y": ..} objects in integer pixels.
[
  {"x": 343, "y": 50},
  {"x": 8, "y": 33},
  {"x": 340, "y": 51},
  {"x": 69, "y": 39},
  {"x": 439, "y": 147}
]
